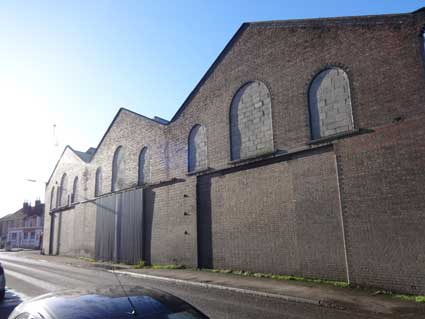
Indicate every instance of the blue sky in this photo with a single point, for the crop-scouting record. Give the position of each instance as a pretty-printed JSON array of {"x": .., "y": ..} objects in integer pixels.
[{"x": 75, "y": 63}]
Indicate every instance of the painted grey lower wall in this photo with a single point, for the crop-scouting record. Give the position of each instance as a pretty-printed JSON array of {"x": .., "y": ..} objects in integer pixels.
[{"x": 74, "y": 231}]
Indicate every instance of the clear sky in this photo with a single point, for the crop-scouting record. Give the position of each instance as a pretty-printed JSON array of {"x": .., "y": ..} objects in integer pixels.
[{"x": 75, "y": 63}]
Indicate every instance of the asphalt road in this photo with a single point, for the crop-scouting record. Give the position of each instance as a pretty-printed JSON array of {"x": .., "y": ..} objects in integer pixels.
[{"x": 27, "y": 278}]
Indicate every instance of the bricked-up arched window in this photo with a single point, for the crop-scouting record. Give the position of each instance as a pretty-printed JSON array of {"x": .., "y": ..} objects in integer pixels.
[
  {"x": 63, "y": 201},
  {"x": 197, "y": 152},
  {"x": 118, "y": 170},
  {"x": 52, "y": 198},
  {"x": 74, "y": 198},
  {"x": 144, "y": 166},
  {"x": 251, "y": 121},
  {"x": 98, "y": 182},
  {"x": 330, "y": 104}
]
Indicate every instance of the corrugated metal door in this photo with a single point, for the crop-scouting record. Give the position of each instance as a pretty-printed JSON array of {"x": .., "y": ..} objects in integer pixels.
[
  {"x": 130, "y": 246},
  {"x": 119, "y": 227},
  {"x": 105, "y": 228}
]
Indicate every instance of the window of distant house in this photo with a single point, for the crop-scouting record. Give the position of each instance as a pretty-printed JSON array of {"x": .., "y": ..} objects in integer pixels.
[
  {"x": 75, "y": 190},
  {"x": 144, "y": 167},
  {"x": 98, "y": 182},
  {"x": 64, "y": 190},
  {"x": 33, "y": 235},
  {"x": 330, "y": 104},
  {"x": 197, "y": 148},
  {"x": 25, "y": 235},
  {"x": 251, "y": 132},
  {"x": 118, "y": 170},
  {"x": 13, "y": 236}
]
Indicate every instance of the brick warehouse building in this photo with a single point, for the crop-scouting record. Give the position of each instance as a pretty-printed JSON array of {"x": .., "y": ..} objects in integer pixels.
[{"x": 301, "y": 151}]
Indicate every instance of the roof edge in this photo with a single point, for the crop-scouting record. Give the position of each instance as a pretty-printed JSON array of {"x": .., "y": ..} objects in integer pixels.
[
  {"x": 333, "y": 20},
  {"x": 418, "y": 10},
  {"x": 113, "y": 121},
  {"x": 222, "y": 54},
  {"x": 59, "y": 159}
]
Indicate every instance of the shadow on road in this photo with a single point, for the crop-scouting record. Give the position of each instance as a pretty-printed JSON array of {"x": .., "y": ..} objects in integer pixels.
[{"x": 11, "y": 300}]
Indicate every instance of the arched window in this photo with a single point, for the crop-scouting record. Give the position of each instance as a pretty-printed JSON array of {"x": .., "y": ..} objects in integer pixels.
[
  {"x": 144, "y": 167},
  {"x": 118, "y": 170},
  {"x": 197, "y": 153},
  {"x": 98, "y": 182},
  {"x": 251, "y": 131},
  {"x": 330, "y": 104},
  {"x": 75, "y": 190},
  {"x": 52, "y": 199},
  {"x": 58, "y": 197},
  {"x": 423, "y": 43},
  {"x": 64, "y": 190}
]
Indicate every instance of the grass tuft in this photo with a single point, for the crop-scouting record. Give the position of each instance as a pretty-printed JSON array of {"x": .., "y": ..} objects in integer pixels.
[
  {"x": 278, "y": 277},
  {"x": 404, "y": 297},
  {"x": 88, "y": 259},
  {"x": 340, "y": 284},
  {"x": 142, "y": 265},
  {"x": 167, "y": 266}
]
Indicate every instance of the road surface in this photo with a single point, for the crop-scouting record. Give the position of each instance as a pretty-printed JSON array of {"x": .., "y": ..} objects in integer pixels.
[{"x": 28, "y": 277}]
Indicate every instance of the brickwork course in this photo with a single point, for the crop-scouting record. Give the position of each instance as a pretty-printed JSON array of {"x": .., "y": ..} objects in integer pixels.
[{"x": 307, "y": 158}]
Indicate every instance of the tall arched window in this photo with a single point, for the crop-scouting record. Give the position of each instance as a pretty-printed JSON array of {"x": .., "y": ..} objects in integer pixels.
[
  {"x": 52, "y": 198},
  {"x": 330, "y": 103},
  {"x": 118, "y": 170},
  {"x": 64, "y": 190},
  {"x": 75, "y": 190},
  {"x": 197, "y": 152},
  {"x": 144, "y": 167},
  {"x": 98, "y": 182},
  {"x": 58, "y": 197},
  {"x": 423, "y": 43},
  {"x": 251, "y": 129}
]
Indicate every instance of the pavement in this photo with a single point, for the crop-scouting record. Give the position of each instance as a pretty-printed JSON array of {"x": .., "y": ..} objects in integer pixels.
[{"x": 346, "y": 299}]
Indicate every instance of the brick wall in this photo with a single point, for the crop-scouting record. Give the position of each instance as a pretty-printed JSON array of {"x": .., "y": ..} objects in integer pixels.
[
  {"x": 278, "y": 218},
  {"x": 382, "y": 182},
  {"x": 170, "y": 223},
  {"x": 287, "y": 212}
]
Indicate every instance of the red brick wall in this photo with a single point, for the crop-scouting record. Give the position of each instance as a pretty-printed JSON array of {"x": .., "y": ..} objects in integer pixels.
[
  {"x": 382, "y": 177},
  {"x": 258, "y": 218},
  {"x": 279, "y": 218}
]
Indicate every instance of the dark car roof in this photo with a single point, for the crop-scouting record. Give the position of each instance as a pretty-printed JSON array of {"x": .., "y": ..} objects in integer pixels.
[{"x": 106, "y": 303}]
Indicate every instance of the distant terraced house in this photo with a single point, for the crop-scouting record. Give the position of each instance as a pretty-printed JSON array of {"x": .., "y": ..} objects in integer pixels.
[
  {"x": 301, "y": 151},
  {"x": 24, "y": 228}
]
